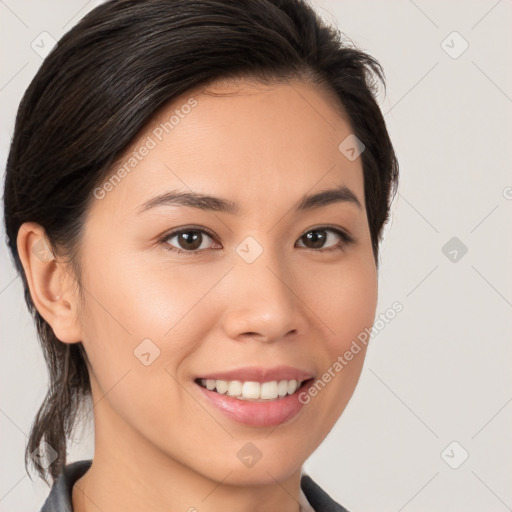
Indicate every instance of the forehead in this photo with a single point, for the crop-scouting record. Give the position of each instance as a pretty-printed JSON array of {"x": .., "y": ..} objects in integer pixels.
[{"x": 241, "y": 140}]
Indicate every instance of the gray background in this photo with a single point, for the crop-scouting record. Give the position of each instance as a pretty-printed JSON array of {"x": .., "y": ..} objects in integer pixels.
[{"x": 436, "y": 385}]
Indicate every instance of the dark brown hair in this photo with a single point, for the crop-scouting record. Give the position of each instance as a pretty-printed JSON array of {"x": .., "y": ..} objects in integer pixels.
[{"x": 105, "y": 80}]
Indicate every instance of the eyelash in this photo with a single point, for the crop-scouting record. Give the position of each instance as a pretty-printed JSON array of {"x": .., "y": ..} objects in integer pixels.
[{"x": 346, "y": 239}]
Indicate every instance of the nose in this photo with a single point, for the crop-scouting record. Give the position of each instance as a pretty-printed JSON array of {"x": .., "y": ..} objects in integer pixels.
[{"x": 263, "y": 301}]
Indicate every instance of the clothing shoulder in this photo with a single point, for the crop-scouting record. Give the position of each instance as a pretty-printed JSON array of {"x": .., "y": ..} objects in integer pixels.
[
  {"x": 319, "y": 500},
  {"x": 59, "y": 499}
]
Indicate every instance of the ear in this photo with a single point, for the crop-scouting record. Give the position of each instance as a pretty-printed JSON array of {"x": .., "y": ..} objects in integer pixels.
[{"x": 52, "y": 287}]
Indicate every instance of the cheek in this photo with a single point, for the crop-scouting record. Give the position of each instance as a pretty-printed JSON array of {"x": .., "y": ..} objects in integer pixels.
[
  {"x": 137, "y": 313},
  {"x": 347, "y": 308},
  {"x": 136, "y": 330},
  {"x": 131, "y": 300},
  {"x": 345, "y": 299}
]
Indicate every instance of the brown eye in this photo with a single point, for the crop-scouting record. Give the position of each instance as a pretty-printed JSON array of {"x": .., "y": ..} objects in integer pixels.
[
  {"x": 192, "y": 241},
  {"x": 317, "y": 238},
  {"x": 188, "y": 240}
]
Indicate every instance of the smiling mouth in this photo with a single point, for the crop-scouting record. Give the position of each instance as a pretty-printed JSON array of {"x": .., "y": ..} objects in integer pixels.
[{"x": 254, "y": 391}]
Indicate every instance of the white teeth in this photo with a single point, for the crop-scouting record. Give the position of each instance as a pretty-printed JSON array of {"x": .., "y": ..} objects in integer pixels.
[
  {"x": 268, "y": 390},
  {"x": 282, "y": 387},
  {"x": 252, "y": 390},
  {"x": 234, "y": 388},
  {"x": 292, "y": 386},
  {"x": 222, "y": 386}
]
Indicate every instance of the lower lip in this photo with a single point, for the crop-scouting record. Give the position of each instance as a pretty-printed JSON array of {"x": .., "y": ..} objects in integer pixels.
[{"x": 257, "y": 414}]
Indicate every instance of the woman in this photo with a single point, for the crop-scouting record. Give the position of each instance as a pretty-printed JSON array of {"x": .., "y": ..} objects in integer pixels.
[{"x": 195, "y": 196}]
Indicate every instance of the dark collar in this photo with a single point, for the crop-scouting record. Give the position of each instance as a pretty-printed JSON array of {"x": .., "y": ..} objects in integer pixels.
[{"x": 59, "y": 499}]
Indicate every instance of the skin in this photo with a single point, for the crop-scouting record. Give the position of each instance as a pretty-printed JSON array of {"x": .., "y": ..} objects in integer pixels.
[{"x": 158, "y": 445}]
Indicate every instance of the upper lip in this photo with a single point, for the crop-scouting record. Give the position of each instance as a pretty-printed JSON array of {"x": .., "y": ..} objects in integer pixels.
[{"x": 261, "y": 374}]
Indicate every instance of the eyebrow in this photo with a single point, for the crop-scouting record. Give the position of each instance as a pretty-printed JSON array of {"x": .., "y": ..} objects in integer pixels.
[{"x": 341, "y": 194}]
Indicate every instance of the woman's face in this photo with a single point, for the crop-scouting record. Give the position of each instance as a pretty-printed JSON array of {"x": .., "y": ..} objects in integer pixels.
[{"x": 266, "y": 289}]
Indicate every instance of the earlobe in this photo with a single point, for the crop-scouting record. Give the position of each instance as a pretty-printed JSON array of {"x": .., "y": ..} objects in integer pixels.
[{"x": 51, "y": 285}]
